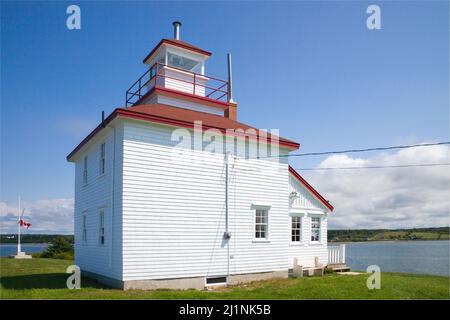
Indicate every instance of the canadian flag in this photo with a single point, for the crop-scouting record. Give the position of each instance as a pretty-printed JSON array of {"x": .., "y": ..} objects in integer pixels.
[{"x": 22, "y": 222}]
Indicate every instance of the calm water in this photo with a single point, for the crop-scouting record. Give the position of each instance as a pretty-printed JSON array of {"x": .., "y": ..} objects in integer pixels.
[
  {"x": 408, "y": 256},
  {"x": 430, "y": 257},
  {"x": 9, "y": 249}
]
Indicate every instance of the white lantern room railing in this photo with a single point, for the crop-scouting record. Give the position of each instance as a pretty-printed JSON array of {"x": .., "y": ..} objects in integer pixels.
[{"x": 177, "y": 80}]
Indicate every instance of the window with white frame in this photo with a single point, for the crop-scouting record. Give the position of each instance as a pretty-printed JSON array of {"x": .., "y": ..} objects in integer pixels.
[
  {"x": 315, "y": 229},
  {"x": 296, "y": 229},
  {"x": 101, "y": 230},
  {"x": 85, "y": 170},
  {"x": 102, "y": 158},
  {"x": 84, "y": 228},
  {"x": 184, "y": 63},
  {"x": 261, "y": 223}
]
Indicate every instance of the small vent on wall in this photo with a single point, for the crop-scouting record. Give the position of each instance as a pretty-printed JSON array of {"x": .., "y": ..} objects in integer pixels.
[{"x": 216, "y": 280}]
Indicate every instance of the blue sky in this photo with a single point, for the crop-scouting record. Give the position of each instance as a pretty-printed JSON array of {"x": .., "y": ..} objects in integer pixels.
[{"x": 311, "y": 69}]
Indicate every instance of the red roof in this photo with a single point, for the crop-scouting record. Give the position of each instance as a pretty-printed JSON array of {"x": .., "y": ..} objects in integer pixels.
[
  {"x": 310, "y": 188},
  {"x": 180, "y": 44},
  {"x": 159, "y": 113}
]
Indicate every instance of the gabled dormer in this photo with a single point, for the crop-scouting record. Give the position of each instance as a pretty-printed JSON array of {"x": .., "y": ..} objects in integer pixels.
[{"x": 176, "y": 77}]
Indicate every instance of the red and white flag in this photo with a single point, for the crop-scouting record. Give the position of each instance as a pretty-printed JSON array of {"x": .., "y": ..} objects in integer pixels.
[{"x": 22, "y": 222}]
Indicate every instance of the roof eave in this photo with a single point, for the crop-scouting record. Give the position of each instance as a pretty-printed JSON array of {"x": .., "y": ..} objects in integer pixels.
[
  {"x": 180, "y": 123},
  {"x": 176, "y": 44},
  {"x": 91, "y": 135},
  {"x": 156, "y": 119}
]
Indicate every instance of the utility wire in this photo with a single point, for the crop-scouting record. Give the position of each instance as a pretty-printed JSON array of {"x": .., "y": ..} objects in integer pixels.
[
  {"x": 376, "y": 167},
  {"x": 364, "y": 150}
]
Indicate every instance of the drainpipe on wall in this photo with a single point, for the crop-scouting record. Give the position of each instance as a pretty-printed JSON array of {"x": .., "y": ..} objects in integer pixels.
[{"x": 227, "y": 234}]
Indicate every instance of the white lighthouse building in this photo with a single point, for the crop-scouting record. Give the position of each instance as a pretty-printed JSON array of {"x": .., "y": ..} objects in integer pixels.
[{"x": 171, "y": 191}]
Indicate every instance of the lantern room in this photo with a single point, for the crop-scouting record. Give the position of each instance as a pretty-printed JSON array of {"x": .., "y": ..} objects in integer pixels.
[
  {"x": 177, "y": 68},
  {"x": 178, "y": 54}
]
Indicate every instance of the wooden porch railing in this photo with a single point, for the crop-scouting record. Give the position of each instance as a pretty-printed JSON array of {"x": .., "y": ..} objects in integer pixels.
[{"x": 336, "y": 254}]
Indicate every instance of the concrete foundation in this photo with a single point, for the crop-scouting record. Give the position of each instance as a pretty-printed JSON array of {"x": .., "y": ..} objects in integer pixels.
[
  {"x": 249, "y": 277},
  {"x": 21, "y": 255},
  {"x": 181, "y": 283},
  {"x": 110, "y": 282}
]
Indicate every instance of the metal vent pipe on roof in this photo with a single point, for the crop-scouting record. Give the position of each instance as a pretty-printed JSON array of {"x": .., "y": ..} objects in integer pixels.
[
  {"x": 176, "y": 29},
  {"x": 230, "y": 79}
]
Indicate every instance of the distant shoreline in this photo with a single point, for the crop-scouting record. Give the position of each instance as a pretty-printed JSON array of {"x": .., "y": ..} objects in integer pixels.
[
  {"x": 34, "y": 238},
  {"x": 363, "y": 235},
  {"x": 334, "y": 236},
  {"x": 386, "y": 241},
  {"x": 28, "y": 244},
  {"x": 8, "y": 249},
  {"x": 343, "y": 242}
]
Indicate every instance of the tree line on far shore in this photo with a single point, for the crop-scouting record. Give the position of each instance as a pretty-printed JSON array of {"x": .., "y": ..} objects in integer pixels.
[
  {"x": 438, "y": 233},
  {"x": 34, "y": 238}
]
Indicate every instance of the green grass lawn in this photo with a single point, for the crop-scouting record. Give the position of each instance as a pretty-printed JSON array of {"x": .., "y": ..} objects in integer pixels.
[{"x": 46, "y": 279}]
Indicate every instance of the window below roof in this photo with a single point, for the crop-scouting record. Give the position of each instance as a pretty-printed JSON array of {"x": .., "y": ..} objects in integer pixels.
[
  {"x": 261, "y": 224},
  {"x": 296, "y": 229},
  {"x": 315, "y": 229},
  {"x": 85, "y": 170},
  {"x": 184, "y": 63}
]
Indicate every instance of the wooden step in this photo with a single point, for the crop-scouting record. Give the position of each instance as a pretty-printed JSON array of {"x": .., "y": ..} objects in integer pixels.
[{"x": 339, "y": 267}]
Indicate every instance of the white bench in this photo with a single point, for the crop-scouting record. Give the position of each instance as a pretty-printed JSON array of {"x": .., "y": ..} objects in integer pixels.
[{"x": 299, "y": 269}]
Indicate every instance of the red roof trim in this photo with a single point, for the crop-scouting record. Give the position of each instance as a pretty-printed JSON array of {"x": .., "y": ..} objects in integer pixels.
[
  {"x": 179, "y": 123},
  {"x": 163, "y": 120},
  {"x": 183, "y": 95},
  {"x": 310, "y": 188},
  {"x": 177, "y": 43}
]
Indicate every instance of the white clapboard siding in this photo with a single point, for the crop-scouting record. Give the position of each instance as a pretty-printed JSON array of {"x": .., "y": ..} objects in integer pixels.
[
  {"x": 95, "y": 195},
  {"x": 183, "y": 104},
  {"x": 182, "y": 81},
  {"x": 174, "y": 210},
  {"x": 307, "y": 206},
  {"x": 165, "y": 215}
]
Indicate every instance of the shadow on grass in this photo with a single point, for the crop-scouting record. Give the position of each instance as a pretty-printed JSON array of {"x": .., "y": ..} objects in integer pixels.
[{"x": 44, "y": 281}]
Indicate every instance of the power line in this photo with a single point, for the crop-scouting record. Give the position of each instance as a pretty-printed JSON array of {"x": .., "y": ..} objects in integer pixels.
[
  {"x": 375, "y": 167},
  {"x": 365, "y": 150}
]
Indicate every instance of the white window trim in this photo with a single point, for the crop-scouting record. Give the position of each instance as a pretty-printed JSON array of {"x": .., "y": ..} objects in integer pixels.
[
  {"x": 102, "y": 150},
  {"x": 302, "y": 229},
  {"x": 320, "y": 228},
  {"x": 85, "y": 171},
  {"x": 215, "y": 284},
  {"x": 100, "y": 211},
  {"x": 84, "y": 228},
  {"x": 261, "y": 207}
]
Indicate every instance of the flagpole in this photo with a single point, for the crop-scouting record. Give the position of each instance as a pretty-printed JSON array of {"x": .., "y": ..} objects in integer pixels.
[{"x": 19, "y": 249}]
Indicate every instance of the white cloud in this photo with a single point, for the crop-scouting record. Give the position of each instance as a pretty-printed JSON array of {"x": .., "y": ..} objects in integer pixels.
[
  {"x": 45, "y": 216},
  {"x": 387, "y": 198}
]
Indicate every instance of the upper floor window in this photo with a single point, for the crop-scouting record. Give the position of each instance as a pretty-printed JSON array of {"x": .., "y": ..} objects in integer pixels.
[
  {"x": 84, "y": 227},
  {"x": 315, "y": 229},
  {"x": 101, "y": 230},
  {"x": 85, "y": 170},
  {"x": 184, "y": 63},
  {"x": 102, "y": 158},
  {"x": 296, "y": 229},
  {"x": 261, "y": 223}
]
